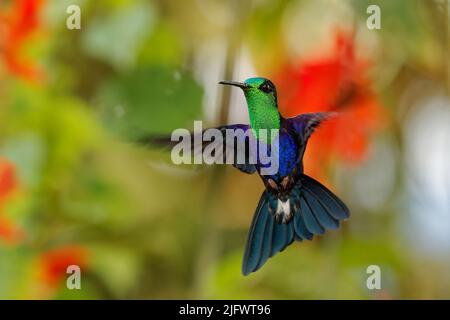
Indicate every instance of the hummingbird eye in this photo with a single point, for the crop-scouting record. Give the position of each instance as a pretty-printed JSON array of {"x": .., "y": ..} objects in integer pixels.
[{"x": 266, "y": 87}]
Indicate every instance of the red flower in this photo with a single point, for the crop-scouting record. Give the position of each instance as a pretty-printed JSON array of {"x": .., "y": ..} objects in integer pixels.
[
  {"x": 9, "y": 231},
  {"x": 8, "y": 180},
  {"x": 334, "y": 82},
  {"x": 18, "y": 23},
  {"x": 53, "y": 264}
]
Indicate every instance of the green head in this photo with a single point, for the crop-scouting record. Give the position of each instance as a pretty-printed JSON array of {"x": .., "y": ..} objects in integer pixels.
[{"x": 261, "y": 96}]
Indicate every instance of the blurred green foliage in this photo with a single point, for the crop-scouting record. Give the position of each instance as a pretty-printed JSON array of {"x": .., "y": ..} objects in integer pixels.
[{"x": 135, "y": 103}]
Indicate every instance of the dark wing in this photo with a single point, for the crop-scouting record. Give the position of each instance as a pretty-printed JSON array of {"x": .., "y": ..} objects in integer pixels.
[
  {"x": 305, "y": 124},
  {"x": 233, "y": 147}
]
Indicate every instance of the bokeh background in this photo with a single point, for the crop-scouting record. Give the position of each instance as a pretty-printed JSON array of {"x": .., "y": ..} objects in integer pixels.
[{"x": 76, "y": 189}]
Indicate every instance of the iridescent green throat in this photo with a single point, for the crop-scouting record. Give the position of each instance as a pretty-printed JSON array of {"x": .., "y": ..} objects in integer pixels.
[{"x": 263, "y": 113}]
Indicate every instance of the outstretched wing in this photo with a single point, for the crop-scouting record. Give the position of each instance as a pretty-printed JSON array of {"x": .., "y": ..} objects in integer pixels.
[
  {"x": 232, "y": 148},
  {"x": 305, "y": 124}
]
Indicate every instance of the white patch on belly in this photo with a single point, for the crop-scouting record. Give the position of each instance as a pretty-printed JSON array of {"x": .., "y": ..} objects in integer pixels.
[{"x": 284, "y": 209}]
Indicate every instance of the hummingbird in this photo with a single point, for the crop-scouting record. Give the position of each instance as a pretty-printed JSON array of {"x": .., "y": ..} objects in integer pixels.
[{"x": 293, "y": 206}]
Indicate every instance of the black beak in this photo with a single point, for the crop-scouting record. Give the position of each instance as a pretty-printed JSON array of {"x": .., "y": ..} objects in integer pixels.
[{"x": 241, "y": 85}]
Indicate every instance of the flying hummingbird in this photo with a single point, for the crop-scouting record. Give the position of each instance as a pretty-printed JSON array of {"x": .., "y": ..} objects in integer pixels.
[{"x": 293, "y": 205}]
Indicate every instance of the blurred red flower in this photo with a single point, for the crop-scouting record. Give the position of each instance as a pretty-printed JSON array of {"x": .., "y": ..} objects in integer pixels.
[
  {"x": 53, "y": 264},
  {"x": 9, "y": 231},
  {"x": 334, "y": 82},
  {"x": 8, "y": 181},
  {"x": 18, "y": 22}
]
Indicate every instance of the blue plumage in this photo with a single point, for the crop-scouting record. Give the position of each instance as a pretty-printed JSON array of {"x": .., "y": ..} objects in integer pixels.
[
  {"x": 316, "y": 213},
  {"x": 313, "y": 208},
  {"x": 293, "y": 205}
]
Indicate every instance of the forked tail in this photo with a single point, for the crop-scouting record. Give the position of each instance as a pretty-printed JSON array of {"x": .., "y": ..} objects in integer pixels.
[{"x": 315, "y": 209}]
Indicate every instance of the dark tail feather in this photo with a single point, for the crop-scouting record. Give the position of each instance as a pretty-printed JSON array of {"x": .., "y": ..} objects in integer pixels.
[
  {"x": 316, "y": 209},
  {"x": 266, "y": 236},
  {"x": 324, "y": 203},
  {"x": 320, "y": 209}
]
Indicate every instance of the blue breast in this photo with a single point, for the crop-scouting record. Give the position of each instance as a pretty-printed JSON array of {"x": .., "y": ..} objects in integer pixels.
[{"x": 287, "y": 156}]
